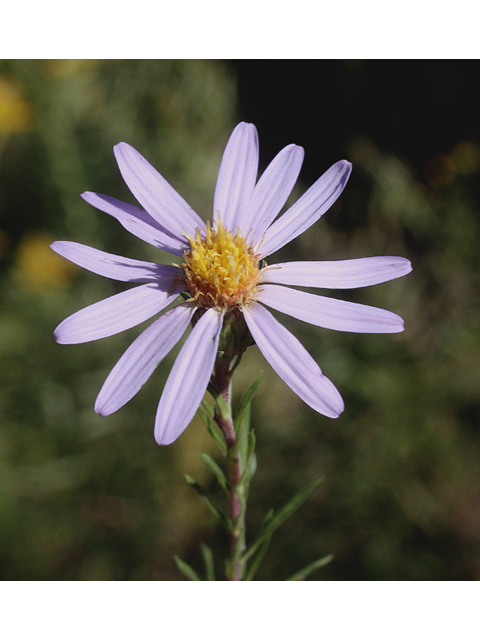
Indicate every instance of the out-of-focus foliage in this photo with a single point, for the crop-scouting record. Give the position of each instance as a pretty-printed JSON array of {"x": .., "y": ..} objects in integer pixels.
[{"x": 90, "y": 498}]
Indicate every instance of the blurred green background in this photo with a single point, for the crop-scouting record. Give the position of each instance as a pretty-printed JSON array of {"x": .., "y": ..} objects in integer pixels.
[{"x": 90, "y": 498}]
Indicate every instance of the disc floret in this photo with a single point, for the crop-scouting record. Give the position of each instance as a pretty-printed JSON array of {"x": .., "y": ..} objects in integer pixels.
[{"x": 221, "y": 269}]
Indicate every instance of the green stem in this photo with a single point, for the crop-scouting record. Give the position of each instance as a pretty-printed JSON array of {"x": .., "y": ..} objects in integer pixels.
[{"x": 237, "y": 507}]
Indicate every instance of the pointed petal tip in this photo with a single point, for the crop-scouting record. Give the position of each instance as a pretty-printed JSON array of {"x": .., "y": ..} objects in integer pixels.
[
  {"x": 60, "y": 340},
  {"x": 346, "y": 166},
  {"x": 65, "y": 338},
  {"x": 396, "y": 324},
  {"x": 119, "y": 148},
  {"x": 121, "y": 145},
  {"x": 91, "y": 198},
  {"x": 100, "y": 410},
  {"x": 164, "y": 435},
  {"x": 87, "y": 195},
  {"x": 395, "y": 327},
  {"x": 339, "y": 409},
  {"x": 59, "y": 335},
  {"x": 123, "y": 148},
  {"x": 335, "y": 402},
  {"x": 163, "y": 440},
  {"x": 245, "y": 125}
]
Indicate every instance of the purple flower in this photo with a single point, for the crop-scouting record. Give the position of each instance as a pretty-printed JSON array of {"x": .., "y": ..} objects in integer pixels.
[{"x": 222, "y": 269}]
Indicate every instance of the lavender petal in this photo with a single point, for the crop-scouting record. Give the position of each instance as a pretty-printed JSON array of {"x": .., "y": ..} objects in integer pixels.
[
  {"x": 330, "y": 313},
  {"x": 115, "y": 267},
  {"x": 114, "y": 314},
  {"x": 292, "y": 362},
  {"x": 137, "y": 222},
  {"x": 188, "y": 379},
  {"x": 142, "y": 358},
  {"x": 271, "y": 192},
  {"x": 237, "y": 176},
  {"x": 338, "y": 274},
  {"x": 155, "y": 194},
  {"x": 308, "y": 209}
]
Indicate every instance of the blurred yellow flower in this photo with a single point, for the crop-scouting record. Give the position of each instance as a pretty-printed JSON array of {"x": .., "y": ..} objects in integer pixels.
[
  {"x": 38, "y": 267},
  {"x": 15, "y": 112},
  {"x": 63, "y": 68}
]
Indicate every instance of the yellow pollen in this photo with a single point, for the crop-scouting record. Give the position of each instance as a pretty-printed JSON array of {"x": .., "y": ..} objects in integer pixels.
[{"x": 221, "y": 269}]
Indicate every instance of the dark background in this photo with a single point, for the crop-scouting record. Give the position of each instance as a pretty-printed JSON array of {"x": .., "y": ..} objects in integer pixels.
[
  {"x": 416, "y": 109},
  {"x": 90, "y": 498}
]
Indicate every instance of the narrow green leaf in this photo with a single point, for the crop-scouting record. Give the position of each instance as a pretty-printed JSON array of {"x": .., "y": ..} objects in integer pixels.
[
  {"x": 206, "y": 413},
  {"x": 208, "y": 559},
  {"x": 246, "y": 398},
  {"x": 206, "y": 500},
  {"x": 249, "y": 458},
  {"x": 250, "y": 468},
  {"x": 222, "y": 406},
  {"x": 282, "y": 514},
  {"x": 268, "y": 516},
  {"x": 252, "y": 441},
  {"x": 257, "y": 559},
  {"x": 215, "y": 469},
  {"x": 208, "y": 408},
  {"x": 242, "y": 428},
  {"x": 242, "y": 420},
  {"x": 263, "y": 548},
  {"x": 186, "y": 569},
  {"x": 251, "y": 465},
  {"x": 303, "y": 573}
]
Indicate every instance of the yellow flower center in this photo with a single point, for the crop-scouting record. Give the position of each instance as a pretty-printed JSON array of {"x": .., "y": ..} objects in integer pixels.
[{"x": 220, "y": 270}]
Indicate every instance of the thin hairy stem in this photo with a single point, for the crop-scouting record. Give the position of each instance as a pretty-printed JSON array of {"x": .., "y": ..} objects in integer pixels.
[{"x": 223, "y": 417}]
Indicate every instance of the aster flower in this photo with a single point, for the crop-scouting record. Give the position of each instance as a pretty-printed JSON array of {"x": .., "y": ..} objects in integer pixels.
[{"x": 222, "y": 271}]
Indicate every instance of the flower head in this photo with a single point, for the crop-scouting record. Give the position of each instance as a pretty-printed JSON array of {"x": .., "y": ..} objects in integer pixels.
[{"x": 221, "y": 270}]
